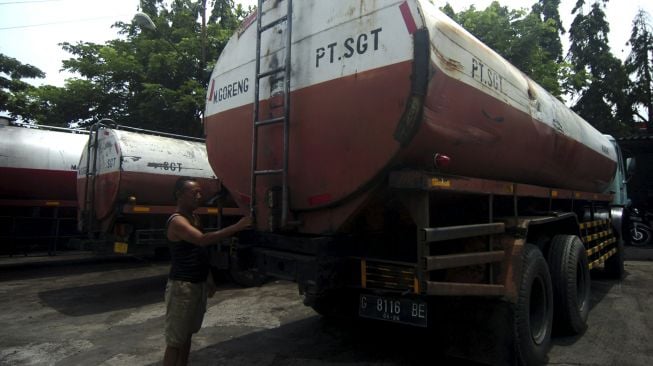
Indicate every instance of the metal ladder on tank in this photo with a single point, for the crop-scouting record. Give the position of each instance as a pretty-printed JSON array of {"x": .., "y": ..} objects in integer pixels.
[
  {"x": 91, "y": 170},
  {"x": 285, "y": 119}
]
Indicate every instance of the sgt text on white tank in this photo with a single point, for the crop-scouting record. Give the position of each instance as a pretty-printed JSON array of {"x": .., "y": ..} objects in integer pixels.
[{"x": 360, "y": 44}]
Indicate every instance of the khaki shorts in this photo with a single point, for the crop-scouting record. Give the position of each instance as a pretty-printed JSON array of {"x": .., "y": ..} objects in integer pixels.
[{"x": 185, "y": 308}]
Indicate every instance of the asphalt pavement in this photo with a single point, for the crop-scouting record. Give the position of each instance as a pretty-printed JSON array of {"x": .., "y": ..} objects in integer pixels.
[{"x": 80, "y": 309}]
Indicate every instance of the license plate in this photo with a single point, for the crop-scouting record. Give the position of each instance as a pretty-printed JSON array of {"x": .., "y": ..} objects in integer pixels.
[
  {"x": 396, "y": 310},
  {"x": 120, "y": 248}
]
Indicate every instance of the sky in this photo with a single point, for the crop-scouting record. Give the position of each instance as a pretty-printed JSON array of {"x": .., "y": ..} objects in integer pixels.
[{"x": 30, "y": 30}]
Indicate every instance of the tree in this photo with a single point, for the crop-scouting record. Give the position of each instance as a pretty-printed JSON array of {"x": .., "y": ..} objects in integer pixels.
[
  {"x": 14, "y": 92},
  {"x": 150, "y": 79},
  {"x": 601, "y": 80},
  {"x": 522, "y": 37},
  {"x": 640, "y": 64},
  {"x": 547, "y": 11}
]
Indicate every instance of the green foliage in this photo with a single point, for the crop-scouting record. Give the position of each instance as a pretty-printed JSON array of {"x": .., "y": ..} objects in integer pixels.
[
  {"x": 148, "y": 79},
  {"x": 603, "y": 101},
  {"x": 523, "y": 38},
  {"x": 547, "y": 11},
  {"x": 640, "y": 64},
  {"x": 14, "y": 93}
]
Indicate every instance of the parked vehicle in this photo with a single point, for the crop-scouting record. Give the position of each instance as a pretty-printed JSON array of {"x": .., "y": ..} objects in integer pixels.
[
  {"x": 641, "y": 227},
  {"x": 125, "y": 187},
  {"x": 396, "y": 164},
  {"x": 33, "y": 213}
]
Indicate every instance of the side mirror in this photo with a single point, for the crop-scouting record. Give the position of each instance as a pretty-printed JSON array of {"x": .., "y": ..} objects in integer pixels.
[{"x": 631, "y": 165}]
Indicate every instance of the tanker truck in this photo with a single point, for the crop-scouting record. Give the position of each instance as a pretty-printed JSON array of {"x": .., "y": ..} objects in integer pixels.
[
  {"x": 124, "y": 180},
  {"x": 394, "y": 163},
  {"x": 33, "y": 214}
]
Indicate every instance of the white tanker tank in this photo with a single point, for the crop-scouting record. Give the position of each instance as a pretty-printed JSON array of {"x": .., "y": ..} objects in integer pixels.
[
  {"x": 32, "y": 156},
  {"x": 132, "y": 178},
  {"x": 380, "y": 84}
]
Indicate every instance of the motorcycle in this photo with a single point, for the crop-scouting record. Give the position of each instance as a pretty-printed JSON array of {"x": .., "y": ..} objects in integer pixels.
[{"x": 641, "y": 231}]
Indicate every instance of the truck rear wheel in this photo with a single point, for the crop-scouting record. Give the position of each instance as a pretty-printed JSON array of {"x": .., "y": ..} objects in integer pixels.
[
  {"x": 570, "y": 276},
  {"x": 534, "y": 309}
]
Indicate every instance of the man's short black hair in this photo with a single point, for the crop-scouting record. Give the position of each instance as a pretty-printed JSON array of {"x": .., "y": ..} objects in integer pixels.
[{"x": 179, "y": 185}]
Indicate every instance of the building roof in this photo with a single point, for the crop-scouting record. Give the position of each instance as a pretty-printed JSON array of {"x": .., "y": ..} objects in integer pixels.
[{"x": 637, "y": 144}]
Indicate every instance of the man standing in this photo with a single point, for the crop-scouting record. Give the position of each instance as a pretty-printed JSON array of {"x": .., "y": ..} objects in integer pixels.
[{"x": 186, "y": 291}]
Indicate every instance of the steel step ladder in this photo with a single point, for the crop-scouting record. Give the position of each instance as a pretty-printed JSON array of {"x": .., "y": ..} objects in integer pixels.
[
  {"x": 284, "y": 119},
  {"x": 91, "y": 170}
]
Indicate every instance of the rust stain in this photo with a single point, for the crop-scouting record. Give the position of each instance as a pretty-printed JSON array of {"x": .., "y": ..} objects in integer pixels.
[
  {"x": 532, "y": 94},
  {"x": 448, "y": 63}
]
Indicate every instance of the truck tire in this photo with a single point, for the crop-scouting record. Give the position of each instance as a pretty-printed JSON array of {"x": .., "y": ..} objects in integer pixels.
[
  {"x": 614, "y": 266},
  {"x": 570, "y": 276},
  {"x": 533, "y": 315}
]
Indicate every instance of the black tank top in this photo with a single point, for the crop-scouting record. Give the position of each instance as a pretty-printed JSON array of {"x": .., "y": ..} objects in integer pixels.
[{"x": 189, "y": 262}]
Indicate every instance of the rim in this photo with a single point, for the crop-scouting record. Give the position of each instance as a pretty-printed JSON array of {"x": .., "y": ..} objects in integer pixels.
[{"x": 538, "y": 310}]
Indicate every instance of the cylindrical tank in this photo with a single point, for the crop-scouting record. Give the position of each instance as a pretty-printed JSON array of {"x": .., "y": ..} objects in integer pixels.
[
  {"x": 380, "y": 84},
  {"x": 140, "y": 169},
  {"x": 39, "y": 164}
]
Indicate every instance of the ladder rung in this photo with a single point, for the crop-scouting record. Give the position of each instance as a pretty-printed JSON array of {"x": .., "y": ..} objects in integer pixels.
[
  {"x": 271, "y": 72},
  {"x": 268, "y": 172},
  {"x": 268, "y": 26},
  {"x": 270, "y": 121}
]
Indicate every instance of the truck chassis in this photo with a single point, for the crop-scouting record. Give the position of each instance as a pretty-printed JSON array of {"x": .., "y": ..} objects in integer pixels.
[{"x": 426, "y": 238}]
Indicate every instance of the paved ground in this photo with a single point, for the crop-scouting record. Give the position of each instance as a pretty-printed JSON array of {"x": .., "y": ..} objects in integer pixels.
[{"x": 111, "y": 313}]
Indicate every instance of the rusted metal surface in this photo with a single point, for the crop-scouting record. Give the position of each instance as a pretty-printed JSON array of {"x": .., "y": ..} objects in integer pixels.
[
  {"x": 434, "y": 182},
  {"x": 511, "y": 265},
  {"x": 151, "y": 209},
  {"x": 461, "y": 260},
  {"x": 459, "y": 232},
  {"x": 38, "y": 203},
  {"x": 463, "y": 289}
]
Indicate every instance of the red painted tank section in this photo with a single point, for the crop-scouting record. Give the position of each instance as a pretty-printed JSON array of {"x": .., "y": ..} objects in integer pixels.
[
  {"x": 341, "y": 138},
  {"x": 157, "y": 189},
  {"x": 29, "y": 184},
  {"x": 114, "y": 189},
  {"x": 487, "y": 138}
]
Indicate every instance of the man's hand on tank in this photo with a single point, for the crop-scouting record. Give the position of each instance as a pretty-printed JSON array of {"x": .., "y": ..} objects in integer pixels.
[{"x": 244, "y": 223}]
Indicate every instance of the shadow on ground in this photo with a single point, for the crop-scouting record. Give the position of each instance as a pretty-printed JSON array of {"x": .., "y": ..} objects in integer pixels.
[
  {"x": 66, "y": 267},
  {"x": 319, "y": 341},
  {"x": 102, "y": 298}
]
